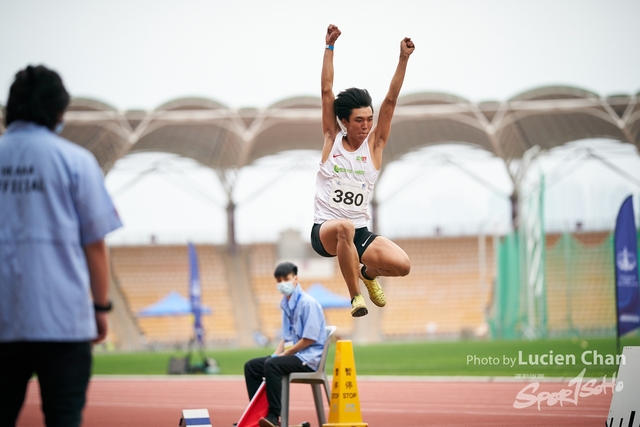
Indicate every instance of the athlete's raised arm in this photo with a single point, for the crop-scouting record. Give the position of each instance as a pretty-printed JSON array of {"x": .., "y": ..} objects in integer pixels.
[
  {"x": 329, "y": 123},
  {"x": 380, "y": 134}
]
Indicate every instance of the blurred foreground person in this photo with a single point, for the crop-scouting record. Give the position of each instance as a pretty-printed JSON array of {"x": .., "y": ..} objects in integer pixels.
[{"x": 54, "y": 270}]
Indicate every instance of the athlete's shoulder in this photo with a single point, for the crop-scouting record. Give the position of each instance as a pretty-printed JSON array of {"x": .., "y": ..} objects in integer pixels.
[{"x": 330, "y": 139}]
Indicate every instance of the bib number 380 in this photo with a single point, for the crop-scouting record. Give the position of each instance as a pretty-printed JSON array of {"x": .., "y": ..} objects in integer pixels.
[{"x": 349, "y": 195}]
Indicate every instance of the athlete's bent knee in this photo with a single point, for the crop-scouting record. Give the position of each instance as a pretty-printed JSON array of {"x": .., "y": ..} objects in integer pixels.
[{"x": 404, "y": 267}]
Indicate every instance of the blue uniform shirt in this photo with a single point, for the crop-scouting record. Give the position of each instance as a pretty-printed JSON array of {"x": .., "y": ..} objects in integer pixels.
[
  {"x": 302, "y": 317},
  {"x": 52, "y": 203}
]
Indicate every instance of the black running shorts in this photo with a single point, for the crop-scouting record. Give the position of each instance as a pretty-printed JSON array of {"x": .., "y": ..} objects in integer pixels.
[{"x": 362, "y": 239}]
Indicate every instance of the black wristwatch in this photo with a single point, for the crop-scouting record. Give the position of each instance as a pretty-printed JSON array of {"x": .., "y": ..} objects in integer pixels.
[{"x": 102, "y": 308}]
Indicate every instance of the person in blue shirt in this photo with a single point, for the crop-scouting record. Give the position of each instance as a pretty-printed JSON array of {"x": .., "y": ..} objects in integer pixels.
[
  {"x": 54, "y": 269},
  {"x": 299, "y": 350}
]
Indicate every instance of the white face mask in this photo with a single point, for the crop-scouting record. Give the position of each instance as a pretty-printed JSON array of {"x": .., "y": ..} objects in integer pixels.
[
  {"x": 286, "y": 288},
  {"x": 59, "y": 128}
]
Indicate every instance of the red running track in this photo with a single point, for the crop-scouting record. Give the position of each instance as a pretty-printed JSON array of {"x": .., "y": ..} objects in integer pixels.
[{"x": 385, "y": 402}]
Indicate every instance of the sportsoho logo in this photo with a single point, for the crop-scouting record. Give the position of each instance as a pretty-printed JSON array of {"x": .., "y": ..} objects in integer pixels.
[{"x": 576, "y": 389}]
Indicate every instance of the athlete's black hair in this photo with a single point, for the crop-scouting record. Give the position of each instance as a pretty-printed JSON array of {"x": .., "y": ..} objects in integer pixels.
[
  {"x": 284, "y": 269},
  {"x": 36, "y": 95},
  {"x": 349, "y": 99}
]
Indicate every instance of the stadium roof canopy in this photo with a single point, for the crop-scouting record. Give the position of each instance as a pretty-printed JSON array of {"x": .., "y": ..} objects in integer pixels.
[{"x": 228, "y": 139}]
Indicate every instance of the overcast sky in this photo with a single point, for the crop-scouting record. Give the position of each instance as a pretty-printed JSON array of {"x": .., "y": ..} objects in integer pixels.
[{"x": 140, "y": 54}]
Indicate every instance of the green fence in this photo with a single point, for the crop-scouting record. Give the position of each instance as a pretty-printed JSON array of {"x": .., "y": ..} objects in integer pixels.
[{"x": 579, "y": 294}]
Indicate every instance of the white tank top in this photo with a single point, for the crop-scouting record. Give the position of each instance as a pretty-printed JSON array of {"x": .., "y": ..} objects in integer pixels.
[{"x": 344, "y": 183}]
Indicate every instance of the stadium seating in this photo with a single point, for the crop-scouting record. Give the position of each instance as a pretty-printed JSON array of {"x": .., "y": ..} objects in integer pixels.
[
  {"x": 448, "y": 293},
  {"x": 445, "y": 294},
  {"x": 148, "y": 273}
]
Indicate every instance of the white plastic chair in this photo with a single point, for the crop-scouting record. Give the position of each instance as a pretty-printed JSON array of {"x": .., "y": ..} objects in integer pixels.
[{"x": 316, "y": 379}]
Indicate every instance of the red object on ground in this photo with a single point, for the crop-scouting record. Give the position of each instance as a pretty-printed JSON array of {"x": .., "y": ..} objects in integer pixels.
[{"x": 258, "y": 408}]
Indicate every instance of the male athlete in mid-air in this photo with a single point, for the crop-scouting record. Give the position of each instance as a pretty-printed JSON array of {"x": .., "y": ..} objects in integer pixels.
[{"x": 351, "y": 161}]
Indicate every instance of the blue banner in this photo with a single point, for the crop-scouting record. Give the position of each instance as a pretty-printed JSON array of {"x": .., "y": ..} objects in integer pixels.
[
  {"x": 626, "y": 258},
  {"x": 195, "y": 293}
]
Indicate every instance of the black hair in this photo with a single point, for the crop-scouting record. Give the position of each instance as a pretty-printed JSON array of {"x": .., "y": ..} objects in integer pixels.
[
  {"x": 349, "y": 99},
  {"x": 284, "y": 269},
  {"x": 36, "y": 95}
]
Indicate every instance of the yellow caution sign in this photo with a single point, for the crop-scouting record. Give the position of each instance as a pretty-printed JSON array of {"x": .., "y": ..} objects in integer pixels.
[{"x": 344, "y": 408}]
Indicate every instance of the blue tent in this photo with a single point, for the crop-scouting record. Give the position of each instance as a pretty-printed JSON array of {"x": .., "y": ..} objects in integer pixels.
[
  {"x": 326, "y": 298},
  {"x": 173, "y": 304}
]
